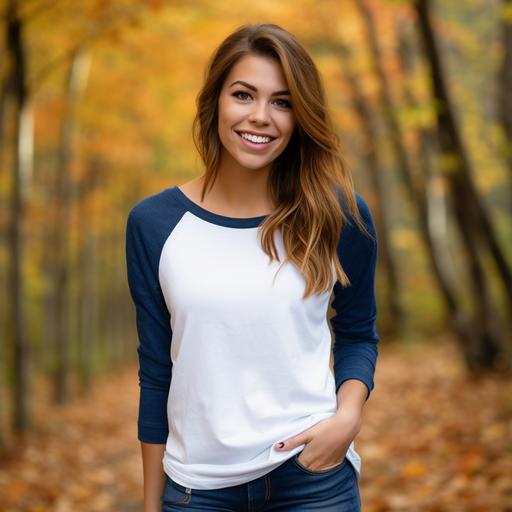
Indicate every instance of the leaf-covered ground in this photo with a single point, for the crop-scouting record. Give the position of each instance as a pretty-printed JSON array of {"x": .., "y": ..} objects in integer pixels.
[{"x": 433, "y": 439}]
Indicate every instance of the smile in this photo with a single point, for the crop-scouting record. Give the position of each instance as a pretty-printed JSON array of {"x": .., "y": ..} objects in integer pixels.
[{"x": 255, "y": 140}]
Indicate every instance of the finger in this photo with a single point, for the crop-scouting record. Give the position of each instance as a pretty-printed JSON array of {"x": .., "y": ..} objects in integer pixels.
[{"x": 289, "y": 444}]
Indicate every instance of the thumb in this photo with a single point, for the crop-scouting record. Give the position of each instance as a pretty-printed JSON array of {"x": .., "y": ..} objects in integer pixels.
[{"x": 292, "y": 442}]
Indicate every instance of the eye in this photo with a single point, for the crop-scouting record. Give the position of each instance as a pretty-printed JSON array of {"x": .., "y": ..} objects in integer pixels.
[
  {"x": 243, "y": 93},
  {"x": 284, "y": 103}
]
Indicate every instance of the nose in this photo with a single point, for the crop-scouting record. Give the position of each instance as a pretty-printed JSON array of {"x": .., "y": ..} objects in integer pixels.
[{"x": 260, "y": 113}]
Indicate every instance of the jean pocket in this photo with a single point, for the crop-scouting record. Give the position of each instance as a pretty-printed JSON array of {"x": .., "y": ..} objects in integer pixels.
[
  {"x": 319, "y": 471},
  {"x": 175, "y": 493}
]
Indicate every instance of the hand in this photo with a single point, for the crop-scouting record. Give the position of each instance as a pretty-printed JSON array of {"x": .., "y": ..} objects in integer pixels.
[{"x": 327, "y": 441}]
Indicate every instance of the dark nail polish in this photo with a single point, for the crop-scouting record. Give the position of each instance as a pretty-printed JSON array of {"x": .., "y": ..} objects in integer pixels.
[{"x": 281, "y": 444}]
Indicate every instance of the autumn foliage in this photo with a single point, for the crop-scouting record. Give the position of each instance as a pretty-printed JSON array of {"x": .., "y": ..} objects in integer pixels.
[{"x": 97, "y": 100}]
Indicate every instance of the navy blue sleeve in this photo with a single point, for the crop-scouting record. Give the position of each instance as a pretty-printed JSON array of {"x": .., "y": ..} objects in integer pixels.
[
  {"x": 153, "y": 326},
  {"x": 356, "y": 337}
]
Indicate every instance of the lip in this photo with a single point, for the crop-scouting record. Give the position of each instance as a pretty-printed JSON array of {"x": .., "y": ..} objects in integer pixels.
[{"x": 253, "y": 146}]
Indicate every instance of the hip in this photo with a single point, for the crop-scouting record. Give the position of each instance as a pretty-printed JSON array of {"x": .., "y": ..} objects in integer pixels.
[{"x": 288, "y": 487}]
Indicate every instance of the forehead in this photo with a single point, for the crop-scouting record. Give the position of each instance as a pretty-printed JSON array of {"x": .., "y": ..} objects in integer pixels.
[{"x": 264, "y": 72}]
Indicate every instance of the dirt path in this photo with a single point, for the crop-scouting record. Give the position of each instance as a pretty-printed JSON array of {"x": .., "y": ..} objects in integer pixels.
[{"x": 432, "y": 440}]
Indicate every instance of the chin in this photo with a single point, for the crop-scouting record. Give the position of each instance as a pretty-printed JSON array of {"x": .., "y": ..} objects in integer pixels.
[{"x": 253, "y": 165}]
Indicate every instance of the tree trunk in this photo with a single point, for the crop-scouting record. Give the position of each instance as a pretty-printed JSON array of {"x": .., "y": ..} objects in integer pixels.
[
  {"x": 20, "y": 193},
  {"x": 460, "y": 172},
  {"x": 415, "y": 188},
  {"x": 87, "y": 290},
  {"x": 484, "y": 348},
  {"x": 77, "y": 79},
  {"x": 431, "y": 207}
]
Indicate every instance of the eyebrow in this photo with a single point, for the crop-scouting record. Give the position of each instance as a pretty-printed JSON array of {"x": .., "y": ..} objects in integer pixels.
[{"x": 254, "y": 88}]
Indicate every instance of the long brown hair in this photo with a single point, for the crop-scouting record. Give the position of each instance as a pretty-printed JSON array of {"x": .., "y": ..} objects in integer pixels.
[{"x": 309, "y": 180}]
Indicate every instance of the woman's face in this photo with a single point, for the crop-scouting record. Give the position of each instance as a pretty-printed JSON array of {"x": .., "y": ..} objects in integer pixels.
[{"x": 255, "y": 115}]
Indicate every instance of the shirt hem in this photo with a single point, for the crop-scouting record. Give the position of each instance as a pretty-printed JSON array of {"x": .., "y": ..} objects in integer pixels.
[{"x": 203, "y": 484}]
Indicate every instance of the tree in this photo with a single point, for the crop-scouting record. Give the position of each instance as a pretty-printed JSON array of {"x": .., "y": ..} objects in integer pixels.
[
  {"x": 22, "y": 174},
  {"x": 75, "y": 85},
  {"x": 483, "y": 349}
]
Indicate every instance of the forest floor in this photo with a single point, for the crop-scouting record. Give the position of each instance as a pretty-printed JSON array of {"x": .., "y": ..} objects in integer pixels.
[{"x": 433, "y": 439}]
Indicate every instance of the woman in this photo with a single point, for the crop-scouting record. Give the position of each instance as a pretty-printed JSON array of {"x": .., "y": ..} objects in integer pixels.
[{"x": 231, "y": 275}]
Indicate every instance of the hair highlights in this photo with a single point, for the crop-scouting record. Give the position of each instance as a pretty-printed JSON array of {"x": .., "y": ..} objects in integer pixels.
[{"x": 309, "y": 181}]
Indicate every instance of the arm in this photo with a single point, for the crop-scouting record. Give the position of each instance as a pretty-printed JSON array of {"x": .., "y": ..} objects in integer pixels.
[
  {"x": 154, "y": 477},
  {"x": 155, "y": 366},
  {"x": 356, "y": 338}
]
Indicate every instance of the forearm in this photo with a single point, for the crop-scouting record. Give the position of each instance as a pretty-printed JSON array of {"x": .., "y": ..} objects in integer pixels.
[
  {"x": 351, "y": 396},
  {"x": 154, "y": 476}
]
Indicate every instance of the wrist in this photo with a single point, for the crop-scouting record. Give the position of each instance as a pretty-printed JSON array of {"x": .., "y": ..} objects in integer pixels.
[
  {"x": 350, "y": 408},
  {"x": 352, "y": 414}
]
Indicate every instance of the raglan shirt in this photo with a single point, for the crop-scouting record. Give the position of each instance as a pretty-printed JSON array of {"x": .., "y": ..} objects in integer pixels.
[{"x": 232, "y": 358}]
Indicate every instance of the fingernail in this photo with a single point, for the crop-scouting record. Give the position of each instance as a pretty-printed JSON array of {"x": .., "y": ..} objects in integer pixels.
[{"x": 280, "y": 445}]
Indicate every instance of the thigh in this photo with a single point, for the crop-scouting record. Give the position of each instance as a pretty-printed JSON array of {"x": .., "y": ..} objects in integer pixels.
[
  {"x": 177, "y": 498},
  {"x": 295, "y": 488}
]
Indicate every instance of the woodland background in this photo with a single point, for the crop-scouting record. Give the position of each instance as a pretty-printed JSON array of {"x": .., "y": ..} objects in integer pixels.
[{"x": 96, "y": 105}]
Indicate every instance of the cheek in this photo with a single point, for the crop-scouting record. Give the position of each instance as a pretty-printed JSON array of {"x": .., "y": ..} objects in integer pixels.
[
  {"x": 223, "y": 112},
  {"x": 224, "y": 128},
  {"x": 228, "y": 112},
  {"x": 288, "y": 126}
]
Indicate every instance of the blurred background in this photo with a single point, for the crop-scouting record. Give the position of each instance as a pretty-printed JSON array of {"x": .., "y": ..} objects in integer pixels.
[{"x": 97, "y": 100}]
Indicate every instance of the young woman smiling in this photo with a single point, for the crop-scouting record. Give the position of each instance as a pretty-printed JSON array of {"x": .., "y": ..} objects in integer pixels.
[{"x": 232, "y": 275}]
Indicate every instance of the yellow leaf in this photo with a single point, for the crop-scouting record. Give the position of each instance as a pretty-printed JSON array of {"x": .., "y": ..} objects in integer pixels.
[{"x": 414, "y": 469}]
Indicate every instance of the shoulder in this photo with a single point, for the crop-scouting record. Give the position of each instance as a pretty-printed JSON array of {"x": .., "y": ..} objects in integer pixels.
[
  {"x": 156, "y": 211},
  {"x": 146, "y": 208},
  {"x": 364, "y": 211},
  {"x": 152, "y": 219}
]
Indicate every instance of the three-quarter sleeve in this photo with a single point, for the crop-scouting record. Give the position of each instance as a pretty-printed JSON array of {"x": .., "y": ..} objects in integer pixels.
[
  {"x": 355, "y": 335},
  {"x": 153, "y": 329}
]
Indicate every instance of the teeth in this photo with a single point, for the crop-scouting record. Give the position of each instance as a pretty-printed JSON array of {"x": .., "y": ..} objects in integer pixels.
[{"x": 256, "y": 139}]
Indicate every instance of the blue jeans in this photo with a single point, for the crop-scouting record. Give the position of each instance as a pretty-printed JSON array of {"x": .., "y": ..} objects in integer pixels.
[{"x": 291, "y": 487}]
